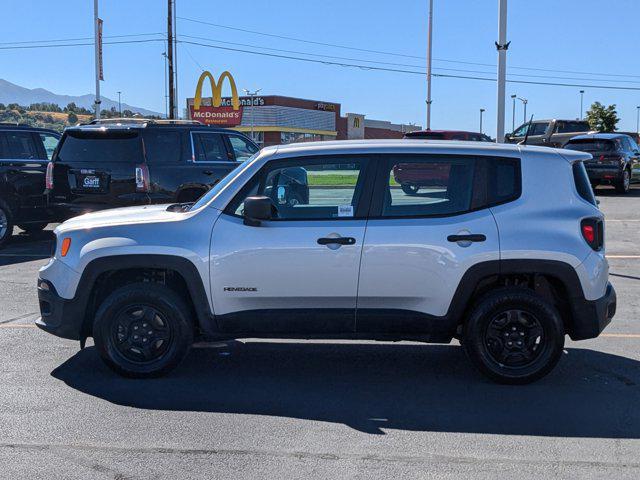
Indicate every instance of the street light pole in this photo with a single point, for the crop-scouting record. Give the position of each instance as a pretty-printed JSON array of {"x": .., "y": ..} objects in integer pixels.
[
  {"x": 502, "y": 45},
  {"x": 581, "y": 104},
  {"x": 638, "y": 120},
  {"x": 481, "y": 112},
  {"x": 524, "y": 103},
  {"x": 429, "y": 45},
  {"x": 513, "y": 112},
  {"x": 252, "y": 95},
  {"x": 119, "y": 105}
]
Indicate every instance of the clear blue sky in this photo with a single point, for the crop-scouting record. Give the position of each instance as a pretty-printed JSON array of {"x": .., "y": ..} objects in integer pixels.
[{"x": 572, "y": 35}]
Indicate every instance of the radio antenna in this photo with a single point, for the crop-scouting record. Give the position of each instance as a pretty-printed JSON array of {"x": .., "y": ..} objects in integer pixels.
[{"x": 526, "y": 135}]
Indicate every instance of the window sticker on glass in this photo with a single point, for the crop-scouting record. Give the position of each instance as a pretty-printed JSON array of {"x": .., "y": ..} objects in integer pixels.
[{"x": 345, "y": 210}]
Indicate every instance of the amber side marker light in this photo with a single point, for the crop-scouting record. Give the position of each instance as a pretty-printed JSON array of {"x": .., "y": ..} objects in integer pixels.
[{"x": 66, "y": 244}]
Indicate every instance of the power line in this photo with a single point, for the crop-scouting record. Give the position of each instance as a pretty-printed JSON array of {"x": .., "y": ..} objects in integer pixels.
[
  {"x": 396, "y": 70},
  {"x": 81, "y": 44},
  {"x": 399, "y": 64},
  {"x": 396, "y": 54},
  {"x": 79, "y": 38}
]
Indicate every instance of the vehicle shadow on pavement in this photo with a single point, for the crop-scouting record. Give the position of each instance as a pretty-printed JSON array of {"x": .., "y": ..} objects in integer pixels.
[
  {"x": 25, "y": 247},
  {"x": 385, "y": 386},
  {"x": 634, "y": 191}
]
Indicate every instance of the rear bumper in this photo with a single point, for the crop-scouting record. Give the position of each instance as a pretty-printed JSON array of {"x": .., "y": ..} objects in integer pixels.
[
  {"x": 602, "y": 174},
  {"x": 59, "y": 316},
  {"x": 590, "y": 317}
]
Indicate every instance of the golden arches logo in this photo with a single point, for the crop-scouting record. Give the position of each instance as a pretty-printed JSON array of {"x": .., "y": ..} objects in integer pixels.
[{"x": 216, "y": 90}]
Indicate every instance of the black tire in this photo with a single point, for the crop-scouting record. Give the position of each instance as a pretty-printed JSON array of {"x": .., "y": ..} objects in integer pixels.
[
  {"x": 121, "y": 325},
  {"x": 6, "y": 223},
  {"x": 32, "y": 228},
  {"x": 524, "y": 316},
  {"x": 622, "y": 186},
  {"x": 410, "y": 189}
]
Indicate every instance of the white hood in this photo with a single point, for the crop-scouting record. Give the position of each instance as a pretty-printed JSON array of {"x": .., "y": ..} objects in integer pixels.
[{"x": 121, "y": 216}]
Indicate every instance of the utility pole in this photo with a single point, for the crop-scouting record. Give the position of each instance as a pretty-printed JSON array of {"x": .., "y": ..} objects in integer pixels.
[
  {"x": 581, "y": 99},
  {"x": 638, "y": 120},
  {"x": 175, "y": 56},
  {"x": 98, "y": 59},
  {"x": 429, "y": 45},
  {"x": 513, "y": 113},
  {"x": 252, "y": 95},
  {"x": 119, "y": 105},
  {"x": 172, "y": 98},
  {"x": 481, "y": 112},
  {"x": 502, "y": 45}
]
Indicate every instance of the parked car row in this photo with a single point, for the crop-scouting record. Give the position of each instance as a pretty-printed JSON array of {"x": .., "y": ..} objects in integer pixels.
[{"x": 48, "y": 178}]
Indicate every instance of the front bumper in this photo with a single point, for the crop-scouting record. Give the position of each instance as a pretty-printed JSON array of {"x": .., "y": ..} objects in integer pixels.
[
  {"x": 590, "y": 317},
  {"x": 59, "y": 316}
]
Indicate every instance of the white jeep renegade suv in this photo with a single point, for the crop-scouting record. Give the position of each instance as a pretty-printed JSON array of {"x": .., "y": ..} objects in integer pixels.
[{"x": 499, "y": 246}]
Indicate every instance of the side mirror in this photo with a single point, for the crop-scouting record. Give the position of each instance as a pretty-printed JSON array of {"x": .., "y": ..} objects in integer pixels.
[
  {"x": 257, "y": 209},
  {"x": 507, "y": 136}
]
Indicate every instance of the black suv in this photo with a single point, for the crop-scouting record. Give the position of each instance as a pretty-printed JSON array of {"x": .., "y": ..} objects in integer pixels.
[
  {"x": 24, "y": 153},
  {"x": 615, "y": 161},
  {"x": 132, "y": 162}
]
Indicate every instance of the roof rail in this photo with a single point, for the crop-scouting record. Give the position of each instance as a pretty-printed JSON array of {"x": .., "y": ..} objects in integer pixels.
[{"x": 162, "y": 121}]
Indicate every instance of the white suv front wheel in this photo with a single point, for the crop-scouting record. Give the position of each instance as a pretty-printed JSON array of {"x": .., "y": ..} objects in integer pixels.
[
  {"x": 143, "y": 330},
  {"x": 514, "y": 336}
]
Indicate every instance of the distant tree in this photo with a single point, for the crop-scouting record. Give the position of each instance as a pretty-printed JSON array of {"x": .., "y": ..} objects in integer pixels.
[
  {"x": 601, "y": 118},
  {"x": 127, "y": 113},
  {"x": 13, "y": 106},
  {"x": 71, "y": 107},
  {"x": 72, "y": 118},
  {"x": 3, "y": 106}
]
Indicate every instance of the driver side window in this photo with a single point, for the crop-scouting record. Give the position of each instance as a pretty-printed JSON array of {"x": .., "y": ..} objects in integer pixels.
[{"x": 307, "y": 189}]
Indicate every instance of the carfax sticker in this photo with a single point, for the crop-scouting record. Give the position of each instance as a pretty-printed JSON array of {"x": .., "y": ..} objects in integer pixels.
[{"x": 345, "y": 210}]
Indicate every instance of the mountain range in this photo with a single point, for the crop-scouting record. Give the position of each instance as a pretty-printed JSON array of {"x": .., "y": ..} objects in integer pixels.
[{"x": 12, "y": 93}]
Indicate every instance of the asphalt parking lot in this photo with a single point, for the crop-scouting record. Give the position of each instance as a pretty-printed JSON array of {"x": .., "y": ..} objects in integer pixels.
[{"x": 276, "y": 409}]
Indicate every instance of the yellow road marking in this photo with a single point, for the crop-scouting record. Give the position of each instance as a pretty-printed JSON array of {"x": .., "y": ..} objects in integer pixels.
[{"x": 620, "y": 335}]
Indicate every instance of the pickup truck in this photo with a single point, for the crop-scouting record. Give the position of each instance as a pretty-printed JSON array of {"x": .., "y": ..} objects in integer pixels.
[
  {"x": 548, "y": 133},
  {"x": 24, "y": 154}
]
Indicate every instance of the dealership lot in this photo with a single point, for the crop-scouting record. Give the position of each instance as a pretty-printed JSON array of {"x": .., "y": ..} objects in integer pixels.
[{"x": 277, "y": 409}]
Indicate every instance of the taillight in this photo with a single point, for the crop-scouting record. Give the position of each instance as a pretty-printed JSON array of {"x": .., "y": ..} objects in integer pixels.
[
  {"x": 593, "y": 232},
  {"x": 48, "y": 179},
  {"x": 142, "y": 178}
]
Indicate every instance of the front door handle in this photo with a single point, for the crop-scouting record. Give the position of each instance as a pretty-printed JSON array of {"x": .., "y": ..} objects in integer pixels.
[
  {"x": 336, "y": 241},
  {"x": 207, "y": 172},
  {"x": 472, "y": 237}
]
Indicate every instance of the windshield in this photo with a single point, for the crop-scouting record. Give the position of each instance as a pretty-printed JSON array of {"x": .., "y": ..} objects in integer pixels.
[
  {"x": 591, "y": 145},
  {"x": 218, "y": 187}
]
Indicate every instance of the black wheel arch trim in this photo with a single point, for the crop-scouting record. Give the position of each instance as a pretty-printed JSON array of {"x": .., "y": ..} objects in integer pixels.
[{"x": 181, "y": 265}]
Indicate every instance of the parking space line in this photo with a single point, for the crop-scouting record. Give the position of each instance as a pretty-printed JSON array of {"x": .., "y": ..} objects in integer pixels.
[
  {"x": 623, "y": 256},
  {"x": 18, "y": 325},
  {"x": 44, "y": 255},
  {"x": 620, "y": 335}
]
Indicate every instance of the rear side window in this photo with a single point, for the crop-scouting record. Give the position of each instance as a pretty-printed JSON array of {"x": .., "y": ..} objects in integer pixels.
[
  {"x": 571, "y": 127},
  {"x": 100, "y": 148},
  {"x": 22, "y": 146},
  {"x": 49, "y": 142},
  {"x": 209, "y": 147},
  {"x": 583, "y": 186},
  {"x": 538, "y": 128},
  {"x": 427, "y": 185},
  {"x": 161, "y": 146}
]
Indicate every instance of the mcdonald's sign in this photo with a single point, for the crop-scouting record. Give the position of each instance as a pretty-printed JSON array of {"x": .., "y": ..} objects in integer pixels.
[{"x": 216, "y": 113}]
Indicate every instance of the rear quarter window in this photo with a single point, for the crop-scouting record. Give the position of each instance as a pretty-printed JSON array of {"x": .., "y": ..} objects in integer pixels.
[
  {"x": 162, "y": 146},
  {"x": 583, "y": 186}
]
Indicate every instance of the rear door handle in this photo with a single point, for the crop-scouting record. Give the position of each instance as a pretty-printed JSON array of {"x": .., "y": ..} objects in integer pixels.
[
  {"x": 472, "y": 237},
  {"x": 337, "y": 241}
]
